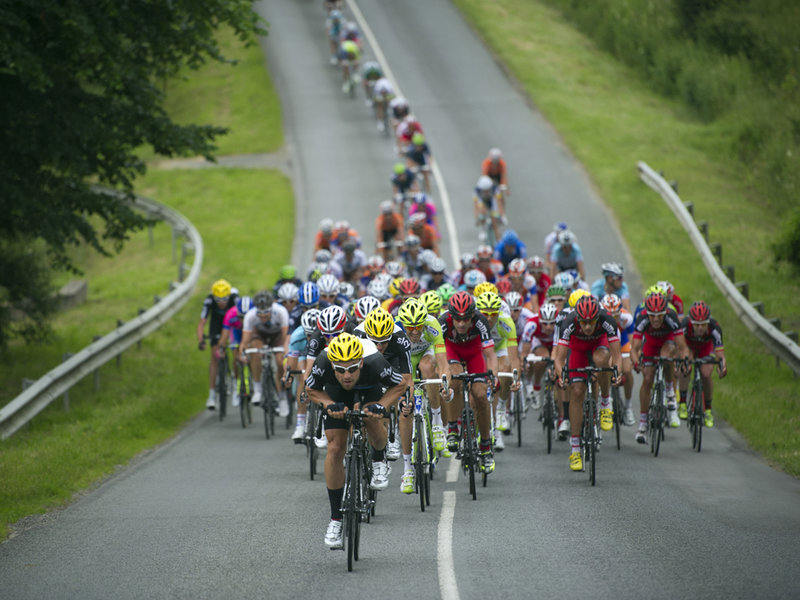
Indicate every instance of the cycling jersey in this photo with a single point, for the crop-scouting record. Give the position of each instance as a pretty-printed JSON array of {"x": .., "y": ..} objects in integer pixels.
[
  {"x": 654, "y": 338},
  {"x": 598, "y": 289},
  {"x": 495, "y": 170},
  {"x": 533, "y": 335},
  {"x": 269, "y": 332},
  {"x": 565, "y": 261},
  {"x": 404, "y": 185},
  {"x": 419, "y": 154},
  {"x": 427, "y": 207},
  {"x": 542, "y": 284},
  {"x": 317, "y": 341},
  {"x": 430, "y": 342},
  {"x": 582, "y": 345},
  {"x": 233, "y": 323},
  {"x": 625, "y": 325},
  {"x": 349, "y": 50},
  {"x": 703, "y": 345},
  {"x": 397, "y": 351},
  {"x": 298, "y": 344},
  {"x": 523, "y": 317},
  {"x": 504, "y": 335},
  {"x": 215, "y": 315},
  {"x": 350, "y": 264}
]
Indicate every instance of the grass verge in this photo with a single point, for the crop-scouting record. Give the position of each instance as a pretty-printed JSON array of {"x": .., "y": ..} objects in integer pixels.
[{"x": 610, "y": 120}]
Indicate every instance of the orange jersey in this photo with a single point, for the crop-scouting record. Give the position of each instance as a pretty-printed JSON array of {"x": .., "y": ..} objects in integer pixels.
[{"x": 497, "y": 171}]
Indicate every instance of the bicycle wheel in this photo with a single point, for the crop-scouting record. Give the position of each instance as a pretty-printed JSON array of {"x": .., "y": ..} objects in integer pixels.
[
  {"x": 468, "y": 451},
  {"x": 419, "y": 461},
  {"x": 698, "y": 419},
  {"x": 516, "y": 398},
  {"x": 222, "y": 386},
  {"x": 658, "y": 392},
  {"x": 548, "y": 419},
  {"x": 589, "y": 439},
  {"x": 349, "y": 513},
  {"x": 616, "y": 405}
]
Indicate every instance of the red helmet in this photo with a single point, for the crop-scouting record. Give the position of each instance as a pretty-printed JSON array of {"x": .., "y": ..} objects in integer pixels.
[
  {"x": 699, "y": 312},
  {"x": 587, "y": 308},
  {"x": 484, "y": 251},
  {"x": 462, "y": 304},
  {"x": 517, "y": 267},
  {"x": 503, "y": 286},
  {"x": 655, "y": 303},
  {"x": 409, "y": 287},
  {"x": 535, "y": 264}
]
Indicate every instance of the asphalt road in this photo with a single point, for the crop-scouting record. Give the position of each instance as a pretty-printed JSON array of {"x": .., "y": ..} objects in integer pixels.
[{"x": 220, "y": 512}]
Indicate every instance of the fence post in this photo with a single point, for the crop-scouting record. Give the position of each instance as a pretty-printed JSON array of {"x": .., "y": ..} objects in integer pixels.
[
  {"x": 120, "y": 323},
  {"x": 64, "y": 358},
  {"x": 744, "y": 288},
  {"x": 139, "y": 343},
  {"x": 703, "y": 227},
  {"x": 730, "y": 272},
  {"x": 689, "y": 207},
  {"x": 716, "y": 249},
  {"x": 759, "y": 306},
  {"x": 97, "y": 370}
]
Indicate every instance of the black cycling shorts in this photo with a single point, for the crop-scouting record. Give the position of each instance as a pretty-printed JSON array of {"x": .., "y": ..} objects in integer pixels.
[{"x": 350, "y": 398}]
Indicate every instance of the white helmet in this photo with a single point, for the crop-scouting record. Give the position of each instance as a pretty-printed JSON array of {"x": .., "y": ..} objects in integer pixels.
[
  {"x": 485, "y": 183},
  {"x": 328, "y": 284},
  {"x": 309, "y": 320},
  {"x": 288, "y": 291},
  {"x": 495, "y": 154},
  {"x": 365, "y": 305}
]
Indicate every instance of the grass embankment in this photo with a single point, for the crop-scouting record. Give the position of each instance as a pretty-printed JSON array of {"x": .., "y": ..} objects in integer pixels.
[
  {"x": 161, "y": 385},
  {"x": 611, "y": 119}
]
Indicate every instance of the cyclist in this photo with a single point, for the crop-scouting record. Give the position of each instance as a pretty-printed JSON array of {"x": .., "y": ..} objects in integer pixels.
[
  {"x": 349, "y": 55},
  {"x": 232, "y": 334},
  {"x": 328, "y": 287},
  {"x": 537, "y": 338},
  {"x": 404, "y": 182},
  {"x": 398, "y": 110},
  {"x": 613, "y": 306},
  {"x": 382, "y": 94},
  {"x": 437, "y": 275},
  {"x": 422, "y": 204},
  {"x": 590, "y": 334},
  {"x": 215, "y": 307},
  {"x": 342, "y": 232},
  {"x": 428, "y": 355},
  {"x": 287, "y": 297},
  {"x": 287, "y": 274},
  {"x": 389, "y": 228},
  {"x": 370, "y": 73},
  {"x": 324, "y": 236},
  {"x": 504, "y": 335},
  {"x": 524, "y": 284},
  {"x": 296, "y": 360},
  {"x": 433, "y": 302},
  {"x": 509, "y": 248},
  {"x": 487, "y": 203},
  {"x": 519, "y": 313},
  {"x": 674, "y": 300},
  {"x": 266, "y": 324},
  {"x": 494, "y": 166},
  {"x": 363, "y": 306},
  {"x": 331, "y": 322},
  {"x": 468, "y": 339},
  {"x": 536, "y": 268},
  {"x": 566, "y": 255},
  {"x": 703, "y": 336},
  {"x": 428, "y": 237},
  {"x": 552, "y": 237},
  {"x": 351, "y": 373},
  {"x": 657, "y": 332},
  {"x": 334, "y": 25},
  {"x": 405, "y": 130},
  {"x": 418, "y": 156},
  {"x": 612, "y": 283},
  {"x": 352, "y": 260}
]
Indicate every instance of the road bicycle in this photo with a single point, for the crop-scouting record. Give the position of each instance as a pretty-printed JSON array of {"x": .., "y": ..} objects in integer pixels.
[
  {"x": 313, "y": 432},
  {"x": 245, "y": 385},
  {"x": 423, "y": 457},
  {"x": 548, "y": 415},
  {"x": 468, "y": 451},
  {"x": 225, "y": 384},
  {"x": 357, "y": 502},
  {"x": 269, "y": 394},
  {"x": 391, "y": 249},
  {"x": 590, "y": 429},
  {"x": 289, "y": 392},
  {"x": 657, "y": 415},
  {"x": 516, "y": 405},
  {"x": 695, "y": 419}
]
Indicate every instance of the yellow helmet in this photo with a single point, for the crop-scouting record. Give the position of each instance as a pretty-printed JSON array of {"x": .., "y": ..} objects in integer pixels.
[
  {"x": 482, "y": 288},
  {"x": 488, "y": 302},
  {"x": 432, "y": 301},
  {"x": 345, "y": 347},
  {"x": 413, "y": 313},
  {"x": 221, "y": 289},
  {"x": 379, "y": 324},
  {"x": 577, "y": 295},
  {"x": 394, "y": 286}
]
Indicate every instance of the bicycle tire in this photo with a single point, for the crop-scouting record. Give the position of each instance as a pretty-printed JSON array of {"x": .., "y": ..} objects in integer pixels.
[
  {"x": 419, "y": 463},
  {"x": 548, "y": 418},
  {"x": 591, "y": 417},
  {"x": 699, "y": 417},
  {"x": 616, "y": 406},
  {"x": 659, "y": 392},
  {"x": 222, "y": 386},
  {"x": 518, "y": 412},
  {"x": 349, "y": 513},
  {"x": 468, "y": 439}
]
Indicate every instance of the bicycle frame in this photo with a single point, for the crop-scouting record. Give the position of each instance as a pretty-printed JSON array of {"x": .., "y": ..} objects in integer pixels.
[
  {"x": 548, "y": 414},
  {"x": 657, "y": 411}
]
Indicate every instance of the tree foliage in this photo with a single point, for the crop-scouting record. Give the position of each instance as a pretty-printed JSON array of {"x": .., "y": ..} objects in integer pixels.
[{"x": 80, "y": 90}]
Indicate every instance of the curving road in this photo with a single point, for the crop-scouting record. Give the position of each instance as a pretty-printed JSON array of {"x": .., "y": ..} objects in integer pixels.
[{"x": 219, "y": 512}]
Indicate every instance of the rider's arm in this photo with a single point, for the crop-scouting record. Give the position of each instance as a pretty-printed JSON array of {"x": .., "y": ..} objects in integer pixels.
[
  {"x": 201, "y": 326},
  {"x": 490, "y": 357}
]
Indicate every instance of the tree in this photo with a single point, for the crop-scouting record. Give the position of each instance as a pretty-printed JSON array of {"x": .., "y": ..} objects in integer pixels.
[{"x": 81, "y": 91}]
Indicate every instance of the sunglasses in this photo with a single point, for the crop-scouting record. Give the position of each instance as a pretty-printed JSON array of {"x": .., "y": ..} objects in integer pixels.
[
  {"x": 656, "y": 314},
  {"x": 699, "y": 323},
  {"x": 462, "y": 318},
  {"x": 490, "y": 313},
  {"x": 382, "y": 342},
  {"x": 587, "y": 321},
  {"x": 221, "y": 299},
  {"x": 350, "y": 369},
  {"x": 414, "y": 327},
  {"x": 264, "y": 312}
]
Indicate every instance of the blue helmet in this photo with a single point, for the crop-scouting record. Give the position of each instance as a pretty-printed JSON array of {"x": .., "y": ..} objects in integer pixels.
[
  {"x": 308, "y": 294},
  {"x": 243, "y": 304}
]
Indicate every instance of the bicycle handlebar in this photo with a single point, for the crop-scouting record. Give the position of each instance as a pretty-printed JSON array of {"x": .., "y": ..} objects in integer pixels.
[
  {"x": 264, "y": 350},
  {"x": 514, "y": 375},
  {"x": 535, "y": 358},
  {"x": 442, "y": 382},
  {"x": 470, "y": 377}
]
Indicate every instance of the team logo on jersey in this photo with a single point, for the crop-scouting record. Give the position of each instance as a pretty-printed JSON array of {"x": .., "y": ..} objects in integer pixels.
[
  {"x": 431, "y": 330},
  {"x": 386, "y": 372}
]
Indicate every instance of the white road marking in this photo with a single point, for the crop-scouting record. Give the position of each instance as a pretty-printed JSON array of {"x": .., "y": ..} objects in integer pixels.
[{"x": 447, "y": 574}]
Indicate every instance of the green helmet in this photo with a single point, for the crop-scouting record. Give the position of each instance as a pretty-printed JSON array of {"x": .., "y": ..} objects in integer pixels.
[
  {"x": 287, "y": 272},
  {"x": 655, "y": 289},
  {"x": 399, "y": 168},
  {"x": 445, "y": 291},
  {"x": 556, "y": 290},
  {"x": 412, "y": 313},
  {"x": 432, "y": 301}
]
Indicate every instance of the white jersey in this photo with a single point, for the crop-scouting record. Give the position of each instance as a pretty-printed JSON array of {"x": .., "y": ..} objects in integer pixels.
[
  {"x": 382, "y": 88},
  {"x": 279, "y": 316}
]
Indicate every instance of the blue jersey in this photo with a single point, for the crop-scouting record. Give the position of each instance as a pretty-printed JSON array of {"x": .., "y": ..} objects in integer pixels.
[
  {"x": 298, "y": 343},
  {"x": 599, "y": 289}
]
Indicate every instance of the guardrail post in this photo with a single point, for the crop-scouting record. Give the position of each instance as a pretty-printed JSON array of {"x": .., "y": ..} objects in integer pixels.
[
  {"x": 150, "y": 228},
  {"x": 703, "y": 227},
  {"x": 120, "y": 323},
  {"x": 181, "y": 265},
  {"x": 743, "y": 288},
  {"x": 64, "y": 358},
  {"x": 139, "y": 343},
  {"x": 156, "y": 299},
  {"x": 689, "y": 207},
  {"x": 716, "y": 250},
  {"x": 730, "y": 272},
  {"x": 97, "y": 370},
  {"x": 759, "y": 306},
  {"x": 674, "y": 185}
]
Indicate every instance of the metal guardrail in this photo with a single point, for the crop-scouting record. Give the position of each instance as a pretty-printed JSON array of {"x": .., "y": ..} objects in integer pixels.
[
  {"x": 779, "y": 343},
  {"x": 38, "y": 395}
]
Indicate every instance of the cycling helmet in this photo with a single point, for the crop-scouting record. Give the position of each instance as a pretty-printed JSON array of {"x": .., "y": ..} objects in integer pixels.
[
  {"x": 484, "y": 252},
  {"x": 417, "y": 139},
  {"x": 365, "y": 305},
  {"x": 326, "y": 226},
  {"x": 432, "y": 301},
  {"x": 372, "y": 69},
  {"x": 611, "y": 303},
  {"x": 427, "y": 256},
  {"x": 467, "y": 261},
  {"x": 331, "y": 319},
  {"x": 394, "y": 268},
  {"x": 378, "y": 289},
  {"x": 347, "y": 290},
  {"x": 503, "y": 286},
  {"x": 287, "y": 272},
  {"x": 446, "y": 292},
  {"x": 379, "y": 324},
  {"x": 412, "y": 313},
  {"x": 473, "y": 277},
  {"x": 323, "y": 256},
  {"x": 244, "y": 304},
  {"x": 394, "y": 286},
  {"x": 587, "y": 308},
  {"x": 535, "y": 264},
  {"x": 308, "y": 294},
  {"x": 342, "y": 226},
  {"x": 438, "y": 265},
  {"x": 345, "y": 347},
  {"x": 699, "y": 313},
  {"x": 412, "y": 241},
  {"x": 375, "y": 262},
  {"x": 495, "y": 154},
  {"x": 387, "y": 207},
  {"x": 556, "y": 290},
  {"x": 409, "y": 287},
  {"x": 560, "y": 226},
  {"x": 485, "y": 184},
  {"x": 517, "y": 267},
  {"x": 612, "y": 269},
  {"x": 221, "y": 289},
  {"x": 484, "y": 287},
  {"x": 316, "y": 270},
  {"x": 309, "y": 320},
  {"x": 655, "y": 289},
  {"x": 399, "y": 168},
  {"x": 514, "y": 300},
  {"x": 655, "y": 304},
  {"x": 576, "y": 277},
  {"x": 548, "y": 313},
  {"x": 565, "y": 280},
  {"x": 288, "y": 291},
  {"x": 263, "y": 300},
  {"x": 336, "y": 15},
  {"x": 420, "y": 197},
  {"x": 489, "y": 302},
  {"x": 348, "y": 246},
  {"x": 577, "y": 295},
  {"x": 462, "y": 304},
  {"x": 418, "y": 218},
  {"x": 667, "y": 287},
  {"x": 566, "y": 237},
  {"x": 328, "y": 284}
]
